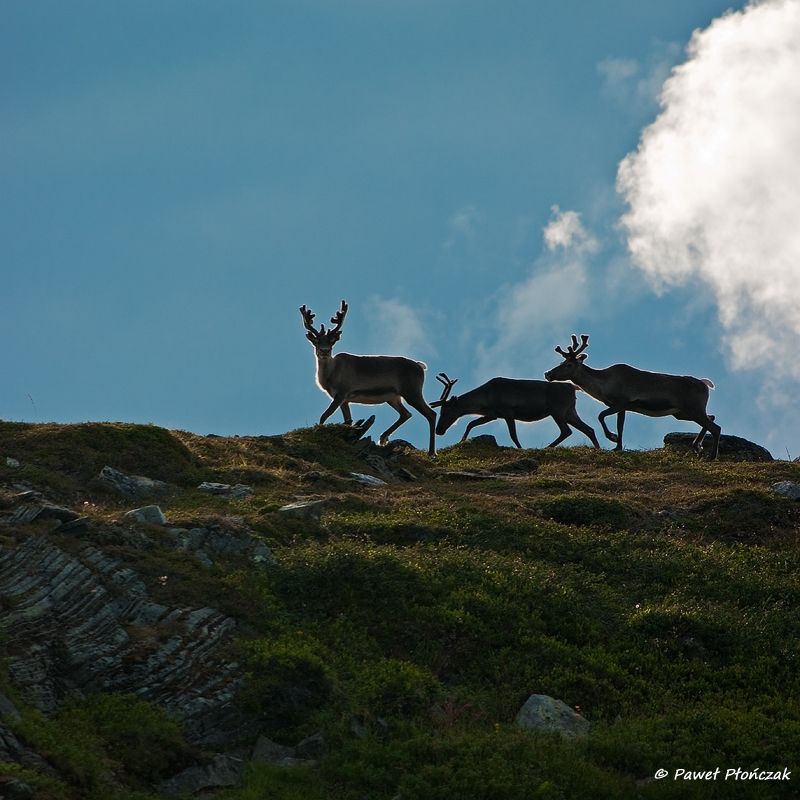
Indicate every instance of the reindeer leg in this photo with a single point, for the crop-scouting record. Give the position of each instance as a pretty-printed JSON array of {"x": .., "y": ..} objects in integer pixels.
[
  {"x": 348, "y": 417},
  {"x": 337, "y": 401},
  {"x": 614, "y": 437},
  {"x": 405, "y": 415},
  {"x": 512, "y": 429},
  {"x": 573, "y": 419},
  {"x": 565, "y": 431},
  {"x": 707, "y": 424},
  {"x": 475, "y": 423},
  {"x": 419, "y": 404}
]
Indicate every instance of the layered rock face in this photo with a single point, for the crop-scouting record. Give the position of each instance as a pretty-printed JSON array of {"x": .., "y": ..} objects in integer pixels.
[{"x": 82, "y": 623}]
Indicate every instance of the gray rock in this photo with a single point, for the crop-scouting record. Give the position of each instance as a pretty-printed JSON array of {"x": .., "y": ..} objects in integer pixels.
[
  {"x": 378, "y": 463},
  {"x": 15, "y": 789},
  {"x": 313, "y": 747},
  {"x": 215, "y": 488},
  {"x": 134, "y": 487},
  {"x": 405, "y": 475},
  {"x": 354, "y": 432},
  {"x": 732, "y": 446},
  {"x": 25, "y": 514},
  {"x": 75, "y": 524},
  {"x": 151, "y": 514},
  {"x": 305, "y": 509},
  {"x": 224, "y": 770},
  {"x": 485, "y": 439},
  {"x": 238, "y": 492},
  {"x": 49, "y": 511},
  {"x": 7, "y": 709},
  {"x": 268, "y": 752},
  {"x": 521, "y": 466},
  {"x": 541, "y": 712},
  {"x": 472, "y": 476},
  {"x": 367, "y": 480},
  {"x": 12, "y": 462},
  {"x": 787, "y": 489},
  {"x": 262, "y": 554},
  {"x": 298, "y": 762}
]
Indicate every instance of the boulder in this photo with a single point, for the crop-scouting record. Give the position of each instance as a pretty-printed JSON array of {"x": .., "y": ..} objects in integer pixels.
[
  {"x": 541, "y": 712},
  {"x": 134, "y": 487},
  {"x": 268, "y": 752},
  {"x": 787, "y": 489},
  {"x": 11, "y": 462},
  {"x": 305, "y": 509},
  {"x": 223, "y": 770},
  {"x": 152, "y": 514},
  {"x": 367, "y": 480},
  {"x": 521, "y": 466},
  {"x": 313, "y": 747},
  {"x": 734, "y": 447}
]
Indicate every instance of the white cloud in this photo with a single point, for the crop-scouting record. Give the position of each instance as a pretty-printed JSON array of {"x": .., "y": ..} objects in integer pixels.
[
  {"x": 714, "y": 187},
  {"x": 397, "y": 329},
  {"x": 566, "y": 230},
  {"x": 555, "y": 293}
]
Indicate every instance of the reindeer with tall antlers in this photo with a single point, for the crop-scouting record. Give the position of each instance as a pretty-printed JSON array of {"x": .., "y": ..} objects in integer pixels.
[
  {"x": 366, "y": 380},
  {"x": 624, "y": 388},
  {"x": 510, "y": 399}
]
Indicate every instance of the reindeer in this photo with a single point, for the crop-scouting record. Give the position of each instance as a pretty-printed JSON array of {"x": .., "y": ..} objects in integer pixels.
[
  {"x": 509, "y": 399},
  {"x": 624, "y": 388},
  {"x": 366, "y": 380}
]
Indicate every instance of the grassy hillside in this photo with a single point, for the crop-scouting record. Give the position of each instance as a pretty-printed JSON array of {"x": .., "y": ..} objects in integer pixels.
[{"x": 654, "y": 591}]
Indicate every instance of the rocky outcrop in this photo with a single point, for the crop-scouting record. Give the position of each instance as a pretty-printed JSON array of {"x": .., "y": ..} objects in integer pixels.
[
  {"x": 734, "y": 447},
  {"x": 82, "y": 623}
]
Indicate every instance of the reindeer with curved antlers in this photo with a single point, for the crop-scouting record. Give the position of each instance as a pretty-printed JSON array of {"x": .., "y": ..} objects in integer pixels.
[
  {"x": 510, "y": 399},
  {"x": 624, "y": 388},
  {"x": 366, "y": 380}
]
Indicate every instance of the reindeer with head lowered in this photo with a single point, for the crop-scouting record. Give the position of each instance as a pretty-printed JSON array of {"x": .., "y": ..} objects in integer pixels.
[
  {"x": 511, "y": 399},
  {"x": 366, "y": 380},
  {"x": 624, "y": 388}
]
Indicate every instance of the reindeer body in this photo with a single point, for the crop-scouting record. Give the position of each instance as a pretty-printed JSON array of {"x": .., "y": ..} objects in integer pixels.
[
  {"x": 514, "y": 400},
  {"x": 624, "y": 388},
  {"x": 366, "y": 380}
]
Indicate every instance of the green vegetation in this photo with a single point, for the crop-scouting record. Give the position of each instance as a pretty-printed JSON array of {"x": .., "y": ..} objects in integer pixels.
[{"x": 654, "y": 591}]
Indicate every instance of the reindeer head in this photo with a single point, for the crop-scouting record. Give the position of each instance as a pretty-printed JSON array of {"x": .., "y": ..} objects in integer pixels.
[
  {"x": 573, "y": 359},
  {"x": 323, "y": 340},
  {"x": 447, "y": 412}
]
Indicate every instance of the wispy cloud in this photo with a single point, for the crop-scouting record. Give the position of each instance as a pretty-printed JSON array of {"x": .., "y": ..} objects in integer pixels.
[
  {"x": 397, "y": 329},
  {"x": 635, "y": 86},
  {"x": 462, "y": 229},
  {"x": 714, "y": 186},
  {"x": 555, "y": 292}
]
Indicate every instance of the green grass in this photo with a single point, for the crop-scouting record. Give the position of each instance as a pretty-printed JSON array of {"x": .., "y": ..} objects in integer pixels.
[{"x": 654, "y": 591}]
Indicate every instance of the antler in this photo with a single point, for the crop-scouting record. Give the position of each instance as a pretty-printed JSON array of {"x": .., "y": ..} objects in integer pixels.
[
  {"x": 448, "y": 385},
  {"x": 574, "y": 349},
  {"x": 308, "y": 319},
  {"x": 338, "y": 318}
]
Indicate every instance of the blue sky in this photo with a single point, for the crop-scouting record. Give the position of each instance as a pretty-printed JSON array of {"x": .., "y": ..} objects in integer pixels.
[{"x": 179, "y": 177}]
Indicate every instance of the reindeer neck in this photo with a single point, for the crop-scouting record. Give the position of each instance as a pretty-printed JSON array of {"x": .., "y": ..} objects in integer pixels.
[{"x": 592, "y": 381}]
